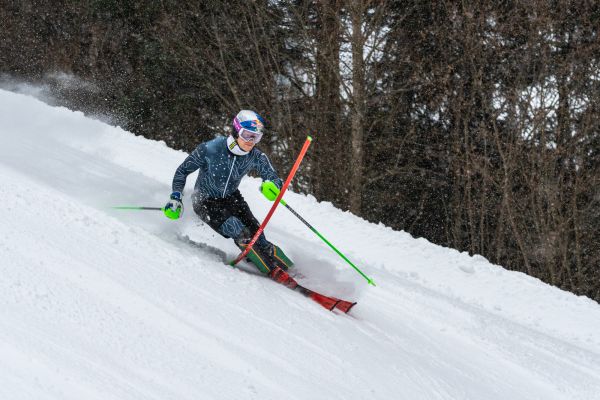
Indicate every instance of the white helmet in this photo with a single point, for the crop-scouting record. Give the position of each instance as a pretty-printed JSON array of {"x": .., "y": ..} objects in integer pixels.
[{"x": 249, "y": 126}]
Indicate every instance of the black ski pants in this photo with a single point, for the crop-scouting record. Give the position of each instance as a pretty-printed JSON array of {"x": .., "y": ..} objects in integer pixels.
[{"x": 215, "y": 211}]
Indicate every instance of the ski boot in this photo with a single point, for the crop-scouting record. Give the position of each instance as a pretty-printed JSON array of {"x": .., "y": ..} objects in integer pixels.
[{"x": 266, "y": 258}]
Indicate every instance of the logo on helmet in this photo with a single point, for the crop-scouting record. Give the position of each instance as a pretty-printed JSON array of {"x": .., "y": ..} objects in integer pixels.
[{"x": 256, "y": 124}]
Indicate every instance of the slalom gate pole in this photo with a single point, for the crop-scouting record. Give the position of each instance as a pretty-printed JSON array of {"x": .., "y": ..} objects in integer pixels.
[
  {"x": 339, "y": 253},
  {"x": 138, "y": 208},
  {"x": 276, "y": 203}
]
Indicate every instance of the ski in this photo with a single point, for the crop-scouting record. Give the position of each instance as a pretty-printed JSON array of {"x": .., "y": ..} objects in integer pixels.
[
  {"x": 345, "y": 306},
  {"x": 282, "y": 277},
  {"x": 330, "y": 303}
]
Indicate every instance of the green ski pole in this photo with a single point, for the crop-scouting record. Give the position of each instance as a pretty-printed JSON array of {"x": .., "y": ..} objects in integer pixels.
[
  {"x": 138, "y": 208},
  {"x": 339, "y": 253},
  {"x": 273, "y": 193}
]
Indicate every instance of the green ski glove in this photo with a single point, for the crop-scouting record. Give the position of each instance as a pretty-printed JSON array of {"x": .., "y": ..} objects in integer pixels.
[
  {"x": 269, "y": 190},
  {"x": 174, "y": 208}
]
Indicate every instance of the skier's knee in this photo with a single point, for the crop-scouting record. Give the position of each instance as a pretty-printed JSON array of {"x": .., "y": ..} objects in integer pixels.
[{"x": 232, "y": 228}]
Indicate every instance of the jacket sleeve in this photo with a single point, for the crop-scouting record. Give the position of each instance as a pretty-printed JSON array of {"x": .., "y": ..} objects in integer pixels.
[
  {"x": 266, "y": 170},
  {"x": 192, "y": 163}
]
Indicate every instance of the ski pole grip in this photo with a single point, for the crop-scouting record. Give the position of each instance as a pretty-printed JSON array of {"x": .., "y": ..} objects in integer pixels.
[{"x": 269, "y": 190}]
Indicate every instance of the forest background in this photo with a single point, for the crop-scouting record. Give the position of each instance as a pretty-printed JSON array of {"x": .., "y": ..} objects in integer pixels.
[{"x": 472, "y": 124}]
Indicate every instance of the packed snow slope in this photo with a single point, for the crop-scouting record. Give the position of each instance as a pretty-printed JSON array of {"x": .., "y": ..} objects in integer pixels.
[{"x": 103, "y": 304}]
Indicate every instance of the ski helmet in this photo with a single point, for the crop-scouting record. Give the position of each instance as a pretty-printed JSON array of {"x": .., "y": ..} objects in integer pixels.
[{"x": 249, "y": 126}]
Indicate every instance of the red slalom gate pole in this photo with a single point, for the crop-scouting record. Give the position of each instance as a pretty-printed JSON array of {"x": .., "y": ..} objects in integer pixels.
[{"x": 276, "y": 203}]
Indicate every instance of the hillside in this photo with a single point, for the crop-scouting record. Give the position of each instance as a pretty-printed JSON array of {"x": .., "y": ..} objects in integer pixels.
[{"x": 104, "y": 304}]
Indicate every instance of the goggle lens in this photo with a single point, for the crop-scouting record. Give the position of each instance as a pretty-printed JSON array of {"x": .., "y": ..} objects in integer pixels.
[{"x": 250, "y": 136}]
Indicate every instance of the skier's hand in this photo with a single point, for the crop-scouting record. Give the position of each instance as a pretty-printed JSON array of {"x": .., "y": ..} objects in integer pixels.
[
  {"x": 269, "y": 190},
  {"x": 174, "y": 208}
]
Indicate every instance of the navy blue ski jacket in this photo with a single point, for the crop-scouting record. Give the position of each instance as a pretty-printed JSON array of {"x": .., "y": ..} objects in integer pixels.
[{"x": 221, "y": 171}]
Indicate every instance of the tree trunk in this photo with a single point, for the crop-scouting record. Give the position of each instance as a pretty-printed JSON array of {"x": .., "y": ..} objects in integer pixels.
[
  {"x": 358, "y": 109},
  {"x": 329, "y": 161}
]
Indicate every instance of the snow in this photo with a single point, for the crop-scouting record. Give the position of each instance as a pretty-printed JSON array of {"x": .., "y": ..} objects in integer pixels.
[{"x": 97, "y": 303}]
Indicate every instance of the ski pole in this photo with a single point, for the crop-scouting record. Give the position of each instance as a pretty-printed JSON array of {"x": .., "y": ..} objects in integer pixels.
[
  {"x": 274, "y": 206},
  {"x": 305, "y": 222},
  {"x": 138, "y": 208},
  {"x": 339, "y": 253}
]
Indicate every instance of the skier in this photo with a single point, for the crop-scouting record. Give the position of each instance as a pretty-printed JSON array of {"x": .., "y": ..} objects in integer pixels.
[{"x": 223, "y": 162}]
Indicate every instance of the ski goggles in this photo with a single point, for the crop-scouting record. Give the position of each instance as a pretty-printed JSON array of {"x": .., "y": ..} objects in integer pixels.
[
  {"x": 249, "y": 131},
  {"x": 250, "y": 136}
]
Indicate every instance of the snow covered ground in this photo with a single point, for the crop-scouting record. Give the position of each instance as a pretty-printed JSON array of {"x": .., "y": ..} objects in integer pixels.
[{"x": 104, "y": 304}]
